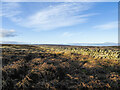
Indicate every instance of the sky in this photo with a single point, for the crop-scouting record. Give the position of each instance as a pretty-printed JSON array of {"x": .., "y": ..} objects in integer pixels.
[{"x": 59, "y": 22}]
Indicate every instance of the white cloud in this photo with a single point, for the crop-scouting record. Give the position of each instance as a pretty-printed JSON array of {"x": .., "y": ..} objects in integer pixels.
[
  {"x": 7, "y": 33},
  {"x": 10, "y": 10},
  {"x": 49, "y": 18},
  {"x": 67, "y": 34},
  {"x": 107, "y": 26},
  {"x": 62, "y": 15}
]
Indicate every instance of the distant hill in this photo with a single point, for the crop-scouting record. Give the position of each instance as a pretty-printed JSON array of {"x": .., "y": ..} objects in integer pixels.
[
  {"x": 69, "y": 44},
  {"x": 95, "y": 44}
]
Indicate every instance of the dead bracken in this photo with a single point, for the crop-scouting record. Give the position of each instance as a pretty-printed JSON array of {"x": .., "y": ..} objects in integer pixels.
[{"x": 45, "y": 67}]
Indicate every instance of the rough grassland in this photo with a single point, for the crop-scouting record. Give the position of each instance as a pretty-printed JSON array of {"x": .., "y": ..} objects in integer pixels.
[{"x": 45, "y": 67}]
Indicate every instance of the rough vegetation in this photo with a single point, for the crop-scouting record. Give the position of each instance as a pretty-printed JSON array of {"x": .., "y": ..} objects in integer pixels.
[{"x": 45, "y": 67}]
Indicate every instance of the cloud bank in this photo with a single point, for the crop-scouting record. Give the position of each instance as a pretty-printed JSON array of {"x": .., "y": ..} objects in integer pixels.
[{"x": 7, "y": 33}]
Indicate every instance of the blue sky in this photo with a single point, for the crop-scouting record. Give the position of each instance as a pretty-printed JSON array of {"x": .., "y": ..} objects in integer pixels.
[{"x": 59, "y": 23}]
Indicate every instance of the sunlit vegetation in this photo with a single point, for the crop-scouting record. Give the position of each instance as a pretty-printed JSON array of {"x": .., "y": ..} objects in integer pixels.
[{"x": 45, "y": 67}]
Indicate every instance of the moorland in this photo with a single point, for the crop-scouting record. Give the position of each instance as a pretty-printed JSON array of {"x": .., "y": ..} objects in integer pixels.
[{"x": 57, "y": 67}]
